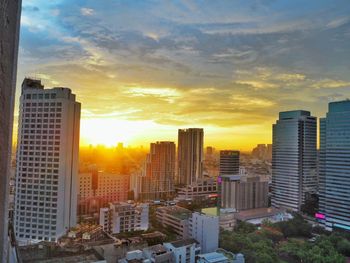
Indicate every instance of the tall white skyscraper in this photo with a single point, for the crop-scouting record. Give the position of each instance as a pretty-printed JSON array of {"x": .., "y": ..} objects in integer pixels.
[
  {"x": 47, "y": 163},
  {"x": 334, "y": 170},
  {"x": 190, "y": 155},
  {"x": 294, "y": 159}
]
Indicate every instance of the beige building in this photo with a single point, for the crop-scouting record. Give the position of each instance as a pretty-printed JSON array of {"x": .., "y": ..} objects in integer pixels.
[
  {"x": 242, "y": 193},
  {"x": 97, "y": 189},
  {"x": 124, "y": 217}
]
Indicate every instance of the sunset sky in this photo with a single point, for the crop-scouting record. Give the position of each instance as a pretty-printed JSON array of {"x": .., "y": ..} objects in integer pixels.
[{"x": 143, "y": 69}]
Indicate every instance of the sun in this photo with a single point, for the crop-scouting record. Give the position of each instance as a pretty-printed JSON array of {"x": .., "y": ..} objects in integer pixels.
[{"x": 107, "y": 131}]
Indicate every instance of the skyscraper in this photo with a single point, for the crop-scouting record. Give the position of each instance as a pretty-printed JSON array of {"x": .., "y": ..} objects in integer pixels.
[
  {"x": 294, "y": 159},
  {"x": 47, "y": 162},
  {"x": 334, "y": 169},
  {"x": 159, "y": 172},
  {"x": 190, "y": 155},
  {"x": 229, "y": 162},
  {"x": 10, "y": 12}
]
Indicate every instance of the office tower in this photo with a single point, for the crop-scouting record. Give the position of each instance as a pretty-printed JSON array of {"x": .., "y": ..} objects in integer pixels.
[
  {"x": 122, "y": 217},
  {"x": 205, "y": 229},
  {"x": 242, "y": 193},
  {"x": 98, "y": 188},
  {"x": 294, "y": 159},
  {"x": 159, "y": 172},
  {"x": 229, "y": 162},
  {"x": 334, "y": 169},
  {"x": 190, "y": 155},
  {"x": 47, "y": 162},
  {"x": 10, "y": 12}
]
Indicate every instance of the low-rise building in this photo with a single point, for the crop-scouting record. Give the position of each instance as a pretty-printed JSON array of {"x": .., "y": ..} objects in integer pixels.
[
  {"x": 256, "y": 216},
  {"x": 154, "y": 254},
  {"x": 242, "y": 192},
  {"x": 185, "y": 251},
  {"x": 198, "y": 191},
  {"x": 176, "y": 218},
  {"x": 124, "y": 217},
  {"x": 205, "y": 229},
  {"x": 86, "y": 232},
  {"x": 212, "y": 257}
]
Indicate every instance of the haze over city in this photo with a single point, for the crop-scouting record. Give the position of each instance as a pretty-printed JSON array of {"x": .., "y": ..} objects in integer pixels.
[{"x": 143, "y": 69}]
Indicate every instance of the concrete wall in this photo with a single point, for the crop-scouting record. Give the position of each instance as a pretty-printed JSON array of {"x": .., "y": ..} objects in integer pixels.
[{"x": 9, "y": 35}]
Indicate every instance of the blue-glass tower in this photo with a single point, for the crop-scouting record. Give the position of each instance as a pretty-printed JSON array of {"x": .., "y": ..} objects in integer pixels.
[
  {"x": 334, "y": 170},
  {"x": 294, "y": 159}
]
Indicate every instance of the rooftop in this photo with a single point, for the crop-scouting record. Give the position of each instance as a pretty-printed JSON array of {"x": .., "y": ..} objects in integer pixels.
[
  {"x": 49, "y": 253},
  {"x": 184, "y": 242},
  {"x": 213, "y": 257},
  {"x": 293, "y": 114},
  {"x": 258, "y": 213},
  {"x": 177, "y": 211}
]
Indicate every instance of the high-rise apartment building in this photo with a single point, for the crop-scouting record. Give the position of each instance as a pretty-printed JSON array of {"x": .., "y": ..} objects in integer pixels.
[
  {"x": 229, "y": 162},
  {"x": 334, "y": 168},
  {"x": 10, "y": 12},
  {"x": 98, "y": 188},
  {"x": 157, "y": 181},
  {"x": 294, "y": 159},
  {"x": 190, "y": 155},
  {"x": 47, "y": 162}
]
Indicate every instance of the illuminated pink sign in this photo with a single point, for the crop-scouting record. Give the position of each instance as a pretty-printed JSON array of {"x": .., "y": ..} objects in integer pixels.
[
  {"x": 320, "y": 216},
  {"x": 219, "y": 180}
]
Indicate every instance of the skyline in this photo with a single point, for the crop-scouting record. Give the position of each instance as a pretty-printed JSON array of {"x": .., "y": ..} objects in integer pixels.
[{"x": 142, "y": 70}]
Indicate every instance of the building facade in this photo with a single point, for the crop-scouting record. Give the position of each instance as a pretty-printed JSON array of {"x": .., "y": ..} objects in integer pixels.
[
  {"x": 158, "y": 179},
  {"x": 334, "y": 168},
  {"x": 294, "y": 159},
  {"x": 47, "y": 163},
  {"x": 175, "y": 217},
  {"x": 10, "y": 13},
  {"x": 199, "y": 191},
  {"x": 184, "y": 251},
  {"x": 190, "y": 155},
  {"x": 242, "y": 193},
  {"x": 98, "y": 188},
  {"x": 124, "y": 217},
  {"x": 205, "y": 229},
  {"x": 229, "y": 162}
]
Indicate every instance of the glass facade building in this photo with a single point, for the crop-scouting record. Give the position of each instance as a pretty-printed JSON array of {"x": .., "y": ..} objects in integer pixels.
[
  {"x": 334, "y": 170},
  {"x": 294, "y": 159}
]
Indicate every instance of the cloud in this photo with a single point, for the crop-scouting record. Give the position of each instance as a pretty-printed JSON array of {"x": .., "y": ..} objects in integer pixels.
[
  {"x": 86, "y": 11},
  {"x": 330, "y": 83},
  {"x": 338, "y": 22},
  {"x": 229, "y": 65}
]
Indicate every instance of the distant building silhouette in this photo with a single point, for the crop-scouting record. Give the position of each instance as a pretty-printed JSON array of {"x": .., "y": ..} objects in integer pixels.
[{"x": 190, "y": 155}]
